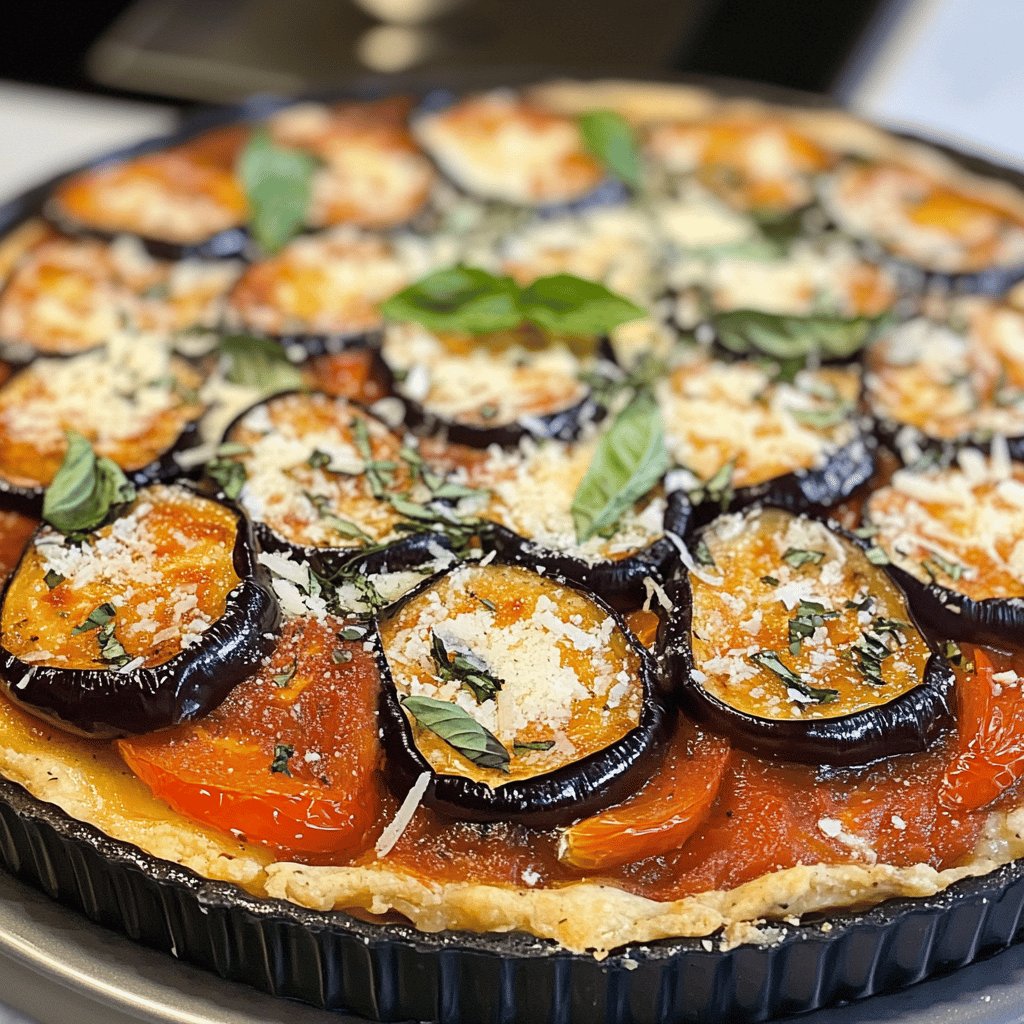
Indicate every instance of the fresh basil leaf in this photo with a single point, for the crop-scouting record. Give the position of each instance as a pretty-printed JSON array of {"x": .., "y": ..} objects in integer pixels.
[
  {"x": 85, "y": 490},
  {"x": 629, "y": 460},
  {"x": 111, "y": 649},
  {"x": 523, "y": 748},
  {"x": 459, "y": 730},
  {"x": 282, "y": 679},
  {"x": 798, "y": 557},
  {"x": 459, "y": 298},
  {"x": 340, "y": 656},
  {"x": 283, "y": 753},
  {"x": 97, "y": 618},
  {"x": 229, "y": 475},
  {"x": 566, "y": 304},
  {"x": 771, "y": 661},
  {"x": 53, "y": 579},
  {"x": 609, "y": 138},
  {"x": 278, "y": 185},
  {"x": 785, "y": 338},
  {"x": 465, "y": 668},
  {"x": 258, "y": 363}
]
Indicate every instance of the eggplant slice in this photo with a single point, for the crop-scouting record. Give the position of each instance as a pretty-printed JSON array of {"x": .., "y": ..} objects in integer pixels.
[
  {"x": 69, "y": 295},
  {"x": 788, "y": 636},
  {"x": 326, "y": 482},
  {"x": 527, "y": 495},
  {"x": 964, "y": 235},
  {"x": 741, "y": 435},
  {"x": 135, "y": 402},
  {"x": 146, "y": 622},
  {"x": 371, "y": 174},
  {"x": 934, "y": 387},
  {"x": 180, "y": 202},
  {"x": 491, "y": 389},
  {"x": 522, "y": 696},
  {"x": 727, "y": 155},
  {"x": 955, "y": 537},
  {"x": 320, "y": 294}
]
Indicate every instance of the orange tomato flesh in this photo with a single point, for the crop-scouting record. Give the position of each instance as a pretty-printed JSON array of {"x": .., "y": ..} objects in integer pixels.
[
  {"x": 290, "y": 760},
  {"x": 666, "y": 812}
]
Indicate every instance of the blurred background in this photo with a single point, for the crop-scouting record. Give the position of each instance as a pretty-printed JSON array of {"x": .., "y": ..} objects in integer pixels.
[{"x": 951, "y": 67}]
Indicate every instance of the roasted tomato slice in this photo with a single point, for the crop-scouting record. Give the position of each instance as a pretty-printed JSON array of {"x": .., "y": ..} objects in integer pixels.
[
  {"x": 290, "y": 759},
  {"x": 662, "y": 816},
  {"x": 990, "y": 755}
]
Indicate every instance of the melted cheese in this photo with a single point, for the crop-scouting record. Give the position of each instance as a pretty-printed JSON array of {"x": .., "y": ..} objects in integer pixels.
[
  {"x": 166, "y": 566},
  {"x": 501, "y": 147},
  {"x": 568, "y": 674},
  {"x": 740, "y": 615}
]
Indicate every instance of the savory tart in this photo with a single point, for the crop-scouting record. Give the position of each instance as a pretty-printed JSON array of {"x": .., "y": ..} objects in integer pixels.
[{"x": 587, "y": 511}]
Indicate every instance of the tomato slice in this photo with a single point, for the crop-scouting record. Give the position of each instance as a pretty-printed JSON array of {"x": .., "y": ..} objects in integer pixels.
[
  {"x": 990, "y": 754},
  {"x": 290, "y": 760},
  {"x": 662, "y": 816}
]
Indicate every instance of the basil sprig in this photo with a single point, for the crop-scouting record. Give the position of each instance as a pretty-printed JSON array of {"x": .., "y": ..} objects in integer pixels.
[
  {"x": 609, "y": 138},
  {"x": 465, "y": 668},
  {"x": 794, "y": 339},
  {"x": 258, "y": 363},
  {"x": 278, "y": 185},
  {"x": 85, "y": 490},
  {"x": 459, "y": 730},
  {"x": 629, "y": 460},
  {"x": 475, "y": 301}
]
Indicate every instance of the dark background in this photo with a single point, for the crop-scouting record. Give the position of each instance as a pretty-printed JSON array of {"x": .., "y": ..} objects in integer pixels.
[{"x": 217, "y": 50}]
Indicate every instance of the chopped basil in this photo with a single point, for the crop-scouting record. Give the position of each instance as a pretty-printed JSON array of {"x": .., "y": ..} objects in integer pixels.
[
  {"x": 85, "y": 490},
  {"x": 465, "y": 668},
  {"x": 278, "y": 185},
  {"x": 488, "y": 411},
  {"x": 364, "y": 587},
  {"x": 460, "y": 730},
  {"x": 341, "y": 656},
  {"x": 771, "y": 661},
  {"x": 702, "y": 554},
  {"x": 867, "y": 531},
  {"x": 609, "y": 138},
  {"x": 629, "y": 460},
  {"x": 282, "y": 679},
  {"x": 717, "y": 489},
  {"x": 769, "y": 581},
  {"x": 258, "y": 363},
  {"x": 379, "y": 473},
  {"x": 319, "y": 459},
  {"x": 873, "y": 648},
  {"x": 486, "y": 602},
  {"x": 98, "y": 618},
  {"x": 474, "y": 301},
  {"x": 798, "y": 557},
  {"x": 523, "y": 748},
  {"x": 345, "y": 527},
  {"x": 952, "y": 652},
  {"x": 283, "y": 753},
  {"x": 53, "y": 579},
  {"x": 825, "y": 417},
  {"x": 157, "y": 290},
  {"x": 354, "y": 632},
  {"x": 876, "y": 555},
  {"x": 110, "y": 647},
  {"x": 810, "y": 615},
  {"x": 935, "y": 565},
  {"x": 229, "y": 475}
]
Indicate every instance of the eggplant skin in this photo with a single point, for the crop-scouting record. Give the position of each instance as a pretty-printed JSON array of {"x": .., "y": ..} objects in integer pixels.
[
  {"x": 164, "y": 469},
  {"x": 616, "y": 580},
  {"x": 567, "y": 794},
  {"x": 300, "y": 346},
  {"x": 905, "y": 725},
  {"x": 106, "y": 703},
  {"x": 896, "y": 436},
  {"x": 948, "y": 613},
  {"x": 812, "y": 491}
]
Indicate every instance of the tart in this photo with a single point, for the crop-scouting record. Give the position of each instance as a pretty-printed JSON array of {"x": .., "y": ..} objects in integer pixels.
[{"x": 559, "y": 549}]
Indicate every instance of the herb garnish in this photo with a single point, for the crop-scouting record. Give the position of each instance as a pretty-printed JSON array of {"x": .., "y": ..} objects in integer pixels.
[
  {"x": 53, "y": 579},
  {"x": 943, "y": 566},
  {"x": 798, "y": 557},
  {"x": 876, "y": 555},
  {"x": 354, "y": 632},
  {"x": 258, "y": 363},
  {"x": 465, "y": 668},
  {"x": 101, "y": 619},
  {"x": 629, "y": 460},
  {"x": 717, "y": 489},
  {"x": 341, "y": 656},
  {"x": 474, "y": 301},
  {"x": 98, "y": 618},
  {"x": 229, "y": 475},
  {"x": 769, "y": 581},
  {"x": 609, "y": 138},
  {"x": 282, "y": 679},
  {"x": 771, "y": 661},
  {"x": 810, "y": 615},
  {"x": 460, "y": 730},
  {"x": 345, "y": 527},
  {"x": 874, "y": 647},
  {"x": 85, "y": 490},
  {"x": 523, "y": 748},
  {"x": 283, "y": 752},
  {"x": 278, "y": 185},
  {"x": 486, "y": 602},
  {"x": 702, "y": 554}
]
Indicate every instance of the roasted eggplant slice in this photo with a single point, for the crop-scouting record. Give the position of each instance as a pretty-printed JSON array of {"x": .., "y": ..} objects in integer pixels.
[
  {"x": 135, "y": 402},
  {"x": 147, "y": 622},
  {"x": 957, "y": 230},
  {"x": 757, "y": 163},
  {"x": 527, "y": 493},
  {"x": 493, "y": 388},
  {"x": 499, "y": 146},
  {"x": 372, "y": 174},
  {"x": 955, "y": 537},
  {"x": 320, "y": 294},
  {"x": 184, "y": 201},
  {"x": 936, "y": 386},
  {"x": 788, "y": 636},
  {"x": 521, "y": 696},
  {"x": 741, "y": 435},
  {"x": 69, "y": 295},
  {"x": 325, "y": 481}
]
